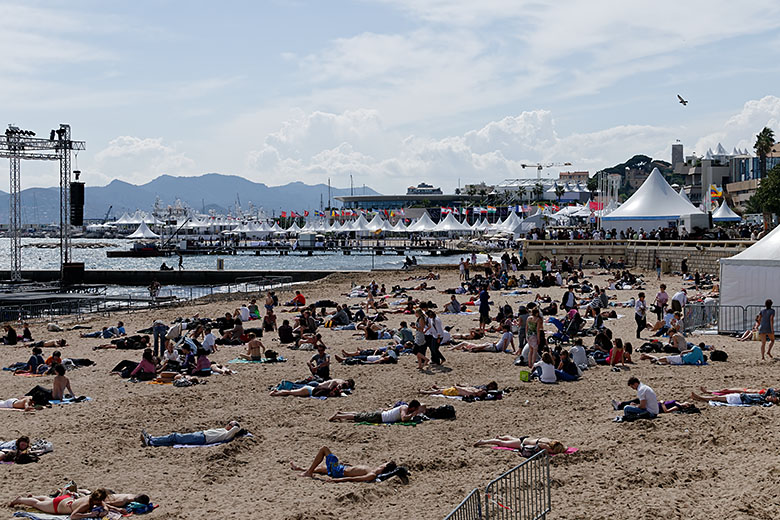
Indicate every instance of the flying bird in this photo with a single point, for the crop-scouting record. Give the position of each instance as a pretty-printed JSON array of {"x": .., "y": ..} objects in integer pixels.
[{"x": 683, "y": 102}]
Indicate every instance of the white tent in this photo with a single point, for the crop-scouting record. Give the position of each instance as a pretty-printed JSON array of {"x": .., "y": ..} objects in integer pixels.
[
  {"x": 752, "y": 276},
  {"x": 683, "y": 194},
  {"x": 376, "y": 223},
  {"x": 399, "y": 226},
  {"x": 295, "y": 228},
  {"x": 275, "y": 228},
  {"x": 123, "y": 220},
  {"x": 360, "y": 225},
  {"x": 422, "y": 224},
  {"x": 654, "y": 204},
  {"x": 725, "y": 214},
  {"x": 451, "y": 225},
  {"x": 143, "y": 231}
]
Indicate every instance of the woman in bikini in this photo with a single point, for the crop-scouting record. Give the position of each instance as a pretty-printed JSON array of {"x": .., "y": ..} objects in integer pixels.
[
  {"x": 82, "y": 507},
  {"x": 525, "y": 444}
]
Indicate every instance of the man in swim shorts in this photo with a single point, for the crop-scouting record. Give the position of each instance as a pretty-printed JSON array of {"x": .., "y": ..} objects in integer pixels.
[{"x": 325, "y": 463}]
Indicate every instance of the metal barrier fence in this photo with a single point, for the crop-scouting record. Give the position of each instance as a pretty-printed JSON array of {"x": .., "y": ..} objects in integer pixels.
[
  {"x": 469, "y": 509},
  {"x": 522, "y": 493},
  {"x": 728, "y": 318}
]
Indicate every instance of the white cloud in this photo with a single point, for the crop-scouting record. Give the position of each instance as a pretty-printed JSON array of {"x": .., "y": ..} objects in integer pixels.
[
  {"x": 740, "y": 130},
  {"x": 138, "y": 160}
]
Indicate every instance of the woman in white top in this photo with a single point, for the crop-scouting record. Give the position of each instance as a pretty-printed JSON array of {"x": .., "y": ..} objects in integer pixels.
[
  {"x": 547, "y": 369},
  {"x": 402, "y": 413}
]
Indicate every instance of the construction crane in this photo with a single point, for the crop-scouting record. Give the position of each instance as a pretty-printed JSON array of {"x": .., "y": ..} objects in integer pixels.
[
  {"x": 540, "y": 166},
  {"x": 105, "y": 219}
]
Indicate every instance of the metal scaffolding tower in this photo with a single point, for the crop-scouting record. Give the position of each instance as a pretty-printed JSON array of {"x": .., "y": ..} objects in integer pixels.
[{"x": 19, "y": 144}]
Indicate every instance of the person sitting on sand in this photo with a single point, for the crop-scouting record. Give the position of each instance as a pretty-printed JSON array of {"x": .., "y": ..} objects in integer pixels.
[
  {"x": 286, "y": 334},
  {"x": 205, "y": 367},
  {"x": 20, "y": 403},
  {"x": 504, "y": 344},
  {"x": 319, "y": 364},
  {"x": 232, "y": 336},
  {"x": 171, "y": 359},
  {"x": 325, "y": 463},
  {"x": 692, "y": 356},
  {"x": 36, "y": 364},
  {"x": 453, "y": 306},
  {"x": 330, "y": 388},
  {"x": 254, "y": 348},
  {"x": 647, "y": 408},
  {"x": 67, "y": 504},
  {"x": 768, "y": 398},
  {"x": 663, "y": 406},
  {"x": 400, "y": 413},
  {"x": 462, "y": 391},
  {"x": 146, "y": 370},
  {"x": 526, "y": 445},
  {"x": 199, "y": 438}
]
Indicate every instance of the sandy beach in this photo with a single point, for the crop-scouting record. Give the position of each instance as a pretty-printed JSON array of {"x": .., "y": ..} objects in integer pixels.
[{"x": 720, "y": 463}]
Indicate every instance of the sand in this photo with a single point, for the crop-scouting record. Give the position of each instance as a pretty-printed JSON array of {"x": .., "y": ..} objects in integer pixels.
[{"x": 721, "y": 463}]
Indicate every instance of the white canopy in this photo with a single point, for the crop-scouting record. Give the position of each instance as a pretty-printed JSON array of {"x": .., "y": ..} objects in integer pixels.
[
  {"x": 359, "y": 225},
  {"x": 725, "y": 214},
  {"x": 124, "y": 219},
  {"x": 451, "y": 224},
  {"x": 422, "y": 224},
  {"x": 399, "y": 226},
  {"x": 376, "y": 223},
  {"x": 143, "y": 231},
  {"x": 295, "y": 228},
  {"x": 752, "y": 276},
  {"x": 655, "y": 200},
  {"x": 683, "y": 194}
]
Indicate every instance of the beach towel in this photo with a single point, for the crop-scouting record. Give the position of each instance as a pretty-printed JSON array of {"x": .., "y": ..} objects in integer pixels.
[
  {"x": 407, "y": 423},
  {"x": 212, "y": 444},
  {"x": 69, "y": 400},
  {"x": 44, "y": 516},
  {"x": 718, "y": 403},
  {"x": 278, "y": 359}
]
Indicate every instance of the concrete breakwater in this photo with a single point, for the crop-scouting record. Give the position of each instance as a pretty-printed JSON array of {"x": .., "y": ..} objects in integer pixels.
[{"x": 184, "y": 277}]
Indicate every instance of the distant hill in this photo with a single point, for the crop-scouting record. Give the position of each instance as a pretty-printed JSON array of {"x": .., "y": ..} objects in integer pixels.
[
  {"x": 212, "y": 191},
  {"x": 642, "y": 163}
]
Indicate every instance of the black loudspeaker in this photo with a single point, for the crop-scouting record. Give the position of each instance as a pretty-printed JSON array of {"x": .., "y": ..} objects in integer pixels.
[{"x": 77, "y": 203}]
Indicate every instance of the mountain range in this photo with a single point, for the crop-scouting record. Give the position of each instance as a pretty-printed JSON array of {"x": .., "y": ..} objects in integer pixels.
[{"x": 209, "y": 191}]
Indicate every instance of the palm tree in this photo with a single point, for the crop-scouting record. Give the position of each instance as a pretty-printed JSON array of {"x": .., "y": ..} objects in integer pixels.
[
  {"x": 538, "y": 190},
  {"x": 559, "y": 192},
  {"x": 520, "y": 193},
  {"x": 765, "y": 140}
]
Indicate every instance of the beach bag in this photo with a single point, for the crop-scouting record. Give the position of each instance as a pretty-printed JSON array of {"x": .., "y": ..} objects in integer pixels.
[
  {"x": 525, "y": 376},
  {"x": 719, "y": 355},
  {"x": 446, "y": 411},
  {"x": 271, "y": 354}
]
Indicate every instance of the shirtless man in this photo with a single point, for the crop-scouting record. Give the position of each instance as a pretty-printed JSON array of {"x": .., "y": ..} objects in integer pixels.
[
  {"x": 325, "y": 463},
  {"x": 254, "y": 348},
  {"x": 462, "y": 391},
  {"x": 68, "y": 505},
  {"x": 507, "y": 441},
  {"x": 473, "y": 334},
  {"x": 323, "y": 389},
  {"x": 60, "y": 384}
]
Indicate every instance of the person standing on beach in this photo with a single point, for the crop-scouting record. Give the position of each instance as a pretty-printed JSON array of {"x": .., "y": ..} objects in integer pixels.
[
  {"x": 437, "y": 334},
  {"x": 462, "y": 268},
  {"x": 640, "y": 314},
  {"x": 181, "y": 262},
  {"x": 484, "y": 308},
  {"x": 658, "y": 268},
  {"x": 766, "y": 328}
]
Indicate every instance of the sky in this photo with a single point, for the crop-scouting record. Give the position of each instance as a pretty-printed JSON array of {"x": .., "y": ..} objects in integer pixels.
[{"x": 389, "y": 92}]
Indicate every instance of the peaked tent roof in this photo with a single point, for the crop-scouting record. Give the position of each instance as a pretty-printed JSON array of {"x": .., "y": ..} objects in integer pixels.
[
  {"x": 361, "y": 224},
  {"x": 399, "y": 226},
  {"x": 654, "y": 200},
  {"x": 450, "y": 223},
  {"x": 376, "y": 223},
  {"x": 683, "y": 194},
  {"x": 725, "y": 214},
  {"x": 143, "y": 231},
  {"x": 424, "y": 223},
  {"x": 765, "y": 251}
]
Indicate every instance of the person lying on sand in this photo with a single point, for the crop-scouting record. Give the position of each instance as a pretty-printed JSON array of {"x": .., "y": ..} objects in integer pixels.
[
  {"x": 20, "y": 403},
  {"x": 80, "y": 507},
  {"x": 472, "y": 334},
  {"x": 462, "y": 391},
  {"x": 504, "y": 344},
  {"x": 692, "y": 356},
  {"x": 401, "y": 413},
  {"x": 663, "y": 406},
  {"x": 325, "y": 463},
  {"x": 725, "y": 391},
  {"x": 369, "y": 357},
  {"x": 767, "y": 399},
  {"x": 331, "y": 388},
  {"x": 527, "y": 445},
  {"x": 199, "y": 438}
]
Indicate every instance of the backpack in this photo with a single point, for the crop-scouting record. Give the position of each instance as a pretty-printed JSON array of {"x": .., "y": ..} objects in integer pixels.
[
  {"x": 446, "y": 411},
  {"x": 271, "y": 354},
  {"x": 719, "y": 355}
]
